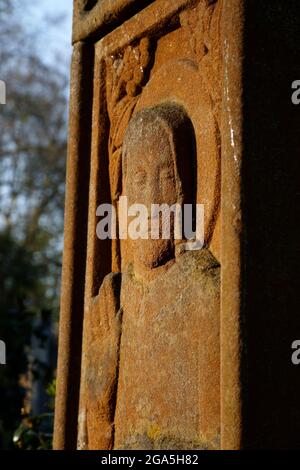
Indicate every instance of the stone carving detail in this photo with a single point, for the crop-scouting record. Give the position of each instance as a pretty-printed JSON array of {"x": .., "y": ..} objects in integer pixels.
[
  {"x": 100, "y": 372},
  {"x": 170, "y": 301},
  {"x": 129, "y": 71},
  {"x": 202, "y": 25},
  {"x": 161, "y": 391},
  {"x": 197, "y": 21},
  {"x": 127, "y": 75},
  {"x": 151, "y": 355}
]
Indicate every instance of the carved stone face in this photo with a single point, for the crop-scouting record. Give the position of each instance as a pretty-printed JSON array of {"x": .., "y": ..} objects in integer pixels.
[{"x": 151, "y": 179}]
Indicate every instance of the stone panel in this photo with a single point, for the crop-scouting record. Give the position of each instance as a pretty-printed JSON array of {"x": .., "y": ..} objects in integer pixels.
[{"x": 146, "y": 69}]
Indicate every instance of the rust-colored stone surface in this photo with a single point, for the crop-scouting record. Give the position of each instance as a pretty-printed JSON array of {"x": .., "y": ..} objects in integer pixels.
[
  {"x": 75, "y": 247},
  {"x": 169, "y": 382},
  {"x": 92, "y": 17},
  {"x": 157, "y": 383},
  {"x": 168, "y": 391},
  {"x": 150, "y": 353},
  {"x": 231, "y": 227},
  {"x": 182, "y": 101},
  {"x": 102, "y": 330}
]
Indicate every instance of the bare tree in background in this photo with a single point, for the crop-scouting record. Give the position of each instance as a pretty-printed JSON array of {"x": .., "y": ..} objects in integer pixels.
[
  {"x": 32, "y": 173},
  {"x": 32, "y": 141}
]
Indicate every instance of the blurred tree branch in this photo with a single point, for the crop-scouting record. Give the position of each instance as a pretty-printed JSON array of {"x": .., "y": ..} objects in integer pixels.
[{"x": 32, "y": 183}]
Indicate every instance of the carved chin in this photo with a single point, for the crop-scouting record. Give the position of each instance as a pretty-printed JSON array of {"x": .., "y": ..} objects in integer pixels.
[{"x": 153, "y": 253}]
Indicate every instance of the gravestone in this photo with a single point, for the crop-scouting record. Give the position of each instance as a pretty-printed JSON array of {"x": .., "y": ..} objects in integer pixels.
[{"x": 163, "y": 347}]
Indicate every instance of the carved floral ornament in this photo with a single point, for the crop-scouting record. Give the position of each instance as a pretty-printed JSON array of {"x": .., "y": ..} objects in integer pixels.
[{"x": 127, "y": 74}]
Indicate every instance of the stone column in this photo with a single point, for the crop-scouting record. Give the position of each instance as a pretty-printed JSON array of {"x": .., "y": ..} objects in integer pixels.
[{"x": 75, "y": 242}]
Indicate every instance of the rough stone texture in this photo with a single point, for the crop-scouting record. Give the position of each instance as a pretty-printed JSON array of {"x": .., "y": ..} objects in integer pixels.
[
  {"x": 170, "y": 298},
  {"x": 231, "y": 231},
  {"x": 168, "y": 391},
  {"x": 75, "y": 245},
  {"x": 169, "y": 382},
  {"x": 94, "y": 17},
  {"x": 102, "y": 330}
]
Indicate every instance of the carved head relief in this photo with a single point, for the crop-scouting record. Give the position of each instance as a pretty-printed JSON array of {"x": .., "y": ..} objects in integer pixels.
[{"x": 158, "y": 168}]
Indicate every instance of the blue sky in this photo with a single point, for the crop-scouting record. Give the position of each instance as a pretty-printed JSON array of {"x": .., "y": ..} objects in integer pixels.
[{"x": 52, "y": 19}]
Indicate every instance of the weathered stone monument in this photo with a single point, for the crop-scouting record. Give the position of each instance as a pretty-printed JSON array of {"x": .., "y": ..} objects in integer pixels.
[
  {"x": 157, "y": 342},
  {"x": 151, "y": 352}
]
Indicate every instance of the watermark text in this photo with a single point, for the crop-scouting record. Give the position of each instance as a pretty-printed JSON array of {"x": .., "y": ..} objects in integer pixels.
[{"x": 161, "y": 221}]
